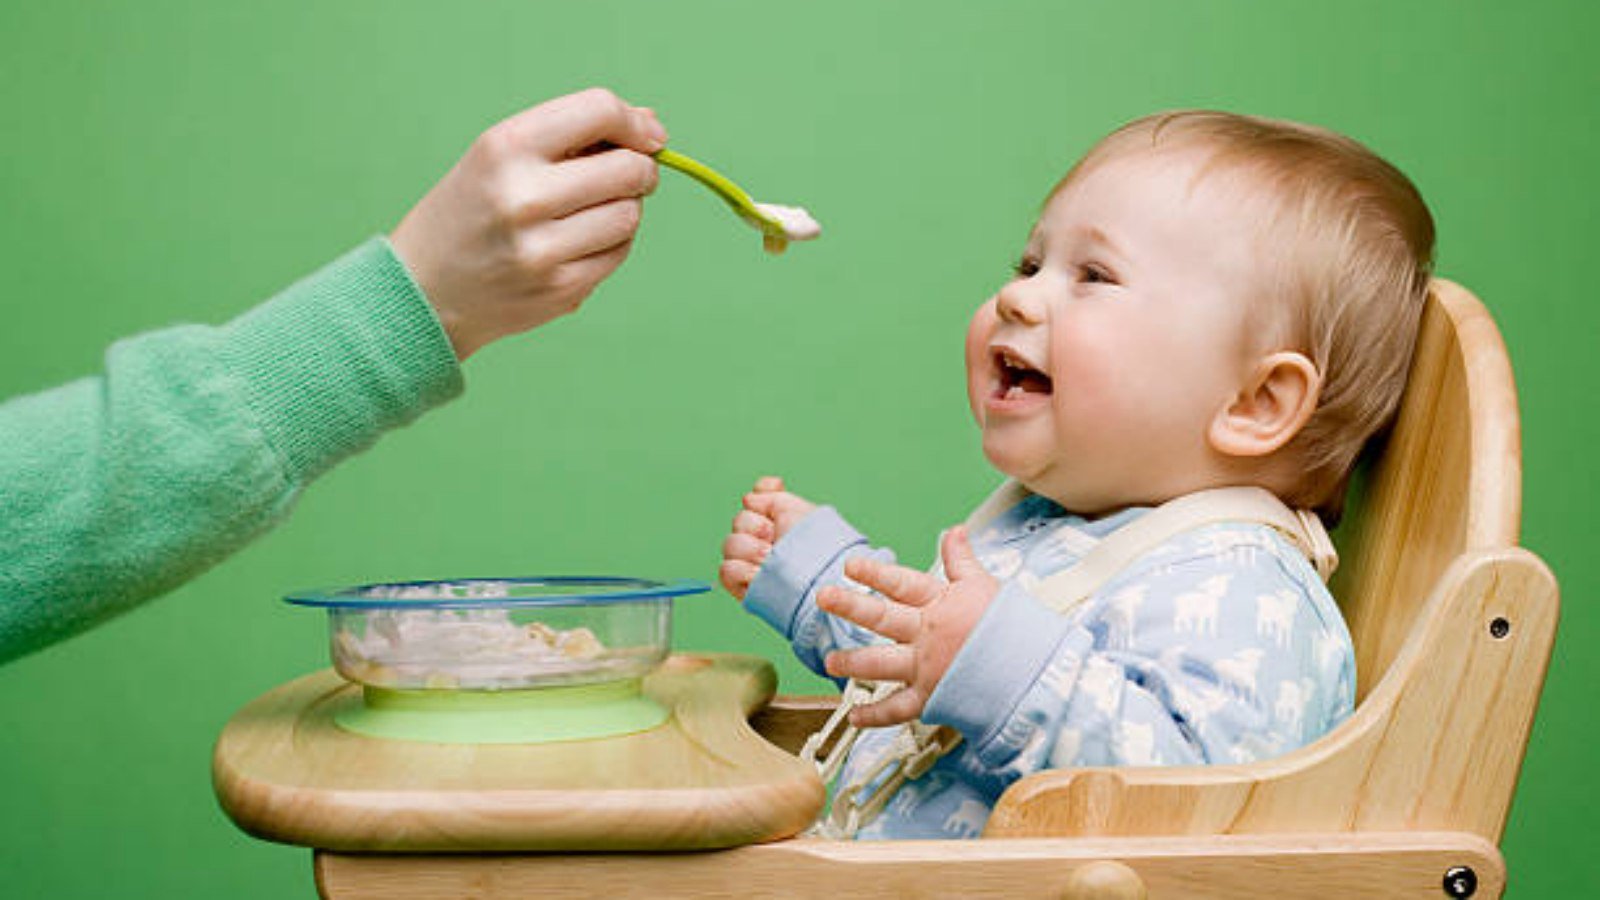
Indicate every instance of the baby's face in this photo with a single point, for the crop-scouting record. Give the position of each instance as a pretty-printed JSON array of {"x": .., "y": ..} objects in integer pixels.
[{"x": 1096, "y": 371}]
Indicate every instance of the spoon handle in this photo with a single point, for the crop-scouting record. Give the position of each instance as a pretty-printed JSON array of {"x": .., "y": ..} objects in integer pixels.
[{"x": 731, "y": 193}]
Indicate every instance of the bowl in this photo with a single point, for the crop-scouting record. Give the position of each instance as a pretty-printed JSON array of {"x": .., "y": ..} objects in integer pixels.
[{"x": 498, "y": 634}]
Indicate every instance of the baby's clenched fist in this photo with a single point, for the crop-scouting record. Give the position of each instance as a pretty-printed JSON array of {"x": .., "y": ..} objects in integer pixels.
[{"x": 768, "y": 513}]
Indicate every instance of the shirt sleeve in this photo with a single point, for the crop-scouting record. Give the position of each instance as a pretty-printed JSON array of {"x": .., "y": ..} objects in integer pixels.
[
  {"x": 1198, "y": 658},
  {"x": 809, "y": 557},
  {"x": 196, "y": 439}
]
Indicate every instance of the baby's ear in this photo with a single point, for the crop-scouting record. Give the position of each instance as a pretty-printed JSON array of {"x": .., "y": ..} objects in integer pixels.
[{"x": 1270, "y": 408}]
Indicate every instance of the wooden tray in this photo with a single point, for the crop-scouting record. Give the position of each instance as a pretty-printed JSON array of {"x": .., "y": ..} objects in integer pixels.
[{"x": 285, "y": 772}]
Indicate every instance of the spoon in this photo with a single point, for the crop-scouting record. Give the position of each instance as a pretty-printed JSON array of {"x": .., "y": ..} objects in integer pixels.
[{"x": 778, "y": 224}]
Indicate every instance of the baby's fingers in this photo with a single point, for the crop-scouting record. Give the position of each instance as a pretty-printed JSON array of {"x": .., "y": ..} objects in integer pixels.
[
  {"x": 745, "y": 547},
  {"x": 905, "y": 585},
  {"x": 754, "y": 524},
  {"x": 763, "y": 503},
  {"x": 877, "y": 614},
  {"x": 736, "y": 575},
  {"x": 960, "y": 560},
  {"x": 903, "y": 705},
  {"x": 881, "y": 662}
]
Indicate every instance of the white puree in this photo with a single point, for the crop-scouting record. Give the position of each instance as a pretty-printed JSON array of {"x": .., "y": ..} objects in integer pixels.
[
  {"x": 797, "y": 223},
  {"x": 445, "y": 648}
]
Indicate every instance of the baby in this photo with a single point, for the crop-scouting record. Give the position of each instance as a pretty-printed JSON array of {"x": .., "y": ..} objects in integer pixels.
[{"x": 1213, "y": 314}]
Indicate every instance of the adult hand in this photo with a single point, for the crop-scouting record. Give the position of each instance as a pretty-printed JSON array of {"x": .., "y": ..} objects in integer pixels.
[
  {"x": 541, "y": 208},
  {"x": 768, "y": 514},
  {"x": 928, "y": 619}
]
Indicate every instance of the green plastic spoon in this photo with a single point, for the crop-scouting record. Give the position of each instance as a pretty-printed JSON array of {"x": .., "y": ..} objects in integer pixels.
[{"x": 775, "y": 232}]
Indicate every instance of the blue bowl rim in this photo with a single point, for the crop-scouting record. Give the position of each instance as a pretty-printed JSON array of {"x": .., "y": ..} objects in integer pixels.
[{"x": 607, "y": 589}]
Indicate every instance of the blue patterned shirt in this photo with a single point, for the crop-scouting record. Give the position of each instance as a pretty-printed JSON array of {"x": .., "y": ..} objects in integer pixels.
[{"x": 1220, "y": 645}]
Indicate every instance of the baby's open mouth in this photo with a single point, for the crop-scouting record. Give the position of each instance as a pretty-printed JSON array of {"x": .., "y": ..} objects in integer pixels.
[{"x": 1018, "y": 376}]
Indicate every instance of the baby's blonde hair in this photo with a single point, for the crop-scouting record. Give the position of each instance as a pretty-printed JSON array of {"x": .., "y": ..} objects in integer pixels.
[{"x": 1353, "y": 256}]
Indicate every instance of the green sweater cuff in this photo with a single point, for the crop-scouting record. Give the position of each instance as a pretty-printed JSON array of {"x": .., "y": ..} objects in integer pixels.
[{"x": 340, "y": 357}]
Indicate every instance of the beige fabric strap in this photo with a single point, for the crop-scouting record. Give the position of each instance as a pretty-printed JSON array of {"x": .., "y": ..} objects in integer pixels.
[
  {"x": 1004, "y": 497},
  {"x": 1072, "y": 586}
]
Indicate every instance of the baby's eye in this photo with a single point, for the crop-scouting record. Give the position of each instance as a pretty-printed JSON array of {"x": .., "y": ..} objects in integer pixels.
[
  {"x": 1026, "y": 267},
  {"x": 1094, "y": 273}
]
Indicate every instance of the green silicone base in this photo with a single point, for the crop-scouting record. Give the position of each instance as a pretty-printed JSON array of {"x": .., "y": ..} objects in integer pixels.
[{"x": 532, "y": 716}]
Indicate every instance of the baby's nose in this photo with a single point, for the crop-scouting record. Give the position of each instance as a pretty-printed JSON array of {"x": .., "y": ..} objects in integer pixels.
[{"x": 1020, "y": 304}]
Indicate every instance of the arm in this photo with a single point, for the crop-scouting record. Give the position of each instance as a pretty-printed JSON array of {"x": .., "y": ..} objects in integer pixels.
[
  {"x": 1188, "y": 662},
  {"x": 194, "y": 440},
  {"x": 1222, "y": 654},
  {"x": 808, "y": 559},
  {"x": 781, "y": 552}
]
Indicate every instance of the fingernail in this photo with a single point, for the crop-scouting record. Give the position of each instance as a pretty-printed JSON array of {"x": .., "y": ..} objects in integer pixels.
[{"x": 654, "y": 128}]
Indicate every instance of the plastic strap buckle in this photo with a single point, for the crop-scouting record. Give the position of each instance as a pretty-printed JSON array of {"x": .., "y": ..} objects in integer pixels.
[
  {"x": 832, "y": 742},
  {"x": 917, "y": 747}
]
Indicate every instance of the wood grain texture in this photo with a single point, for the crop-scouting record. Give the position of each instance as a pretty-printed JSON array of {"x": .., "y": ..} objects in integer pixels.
[
  {"x": 1243, "y": 868},
  {"x": 1448, "y": 480},
  {"x": 787, "y": 721},
  {"x": 285, "y": 772}
]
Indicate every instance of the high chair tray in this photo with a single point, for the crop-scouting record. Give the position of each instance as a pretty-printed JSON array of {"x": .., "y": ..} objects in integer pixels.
[{"x": 284, "y": 771}]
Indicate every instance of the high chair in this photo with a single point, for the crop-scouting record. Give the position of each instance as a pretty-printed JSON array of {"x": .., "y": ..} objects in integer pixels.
[{"x": 1453, "y": 626}]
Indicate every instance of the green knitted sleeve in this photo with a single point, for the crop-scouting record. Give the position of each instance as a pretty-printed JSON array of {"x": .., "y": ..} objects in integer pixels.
[{"x": 195, "y": 439}]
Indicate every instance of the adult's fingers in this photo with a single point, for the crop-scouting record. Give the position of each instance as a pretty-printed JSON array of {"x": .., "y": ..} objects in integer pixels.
[
  {"x": 877, "y": 614},
  {"x": 880, "y": 662},
  {"x": 593, "y": 269},
  {"x": 561, "y": 127},
  {"x": 576, "y": 184},
  {"x": 769, "y": 484},
  {"x": 585, "y": 232},
  {"x": 905, "y": 585}
]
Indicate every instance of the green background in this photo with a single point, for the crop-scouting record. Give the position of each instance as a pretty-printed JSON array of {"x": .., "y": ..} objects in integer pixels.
[{"x": 167, "y": 162}]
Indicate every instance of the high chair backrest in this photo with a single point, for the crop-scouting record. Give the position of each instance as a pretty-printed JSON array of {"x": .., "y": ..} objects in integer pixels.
[{"x": 1447, "y": 480}]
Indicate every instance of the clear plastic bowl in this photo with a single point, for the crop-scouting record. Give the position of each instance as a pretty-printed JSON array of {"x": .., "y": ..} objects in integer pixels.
[{"x": 498, "y": 634}]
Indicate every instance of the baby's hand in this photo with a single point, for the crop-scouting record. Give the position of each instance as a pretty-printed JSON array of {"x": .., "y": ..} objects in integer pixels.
[
  {"x": 769, "y": 512},
  {"x": 541, "y": 208},
  {"x": 928, "y": 620}
]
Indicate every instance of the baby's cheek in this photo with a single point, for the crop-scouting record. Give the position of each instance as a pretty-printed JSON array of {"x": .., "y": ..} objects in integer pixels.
[
  {"x": 1086, "y": 381},
  {"x": 1078, "y": 362},
  {"x": 978, "y": 333}
]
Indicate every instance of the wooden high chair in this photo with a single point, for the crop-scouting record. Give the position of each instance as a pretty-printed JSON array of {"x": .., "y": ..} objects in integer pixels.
[{"x": 1453, "y": 626}]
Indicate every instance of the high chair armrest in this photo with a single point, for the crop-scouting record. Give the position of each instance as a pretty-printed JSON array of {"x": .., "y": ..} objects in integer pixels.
[{"x": 789, "y": 719}]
